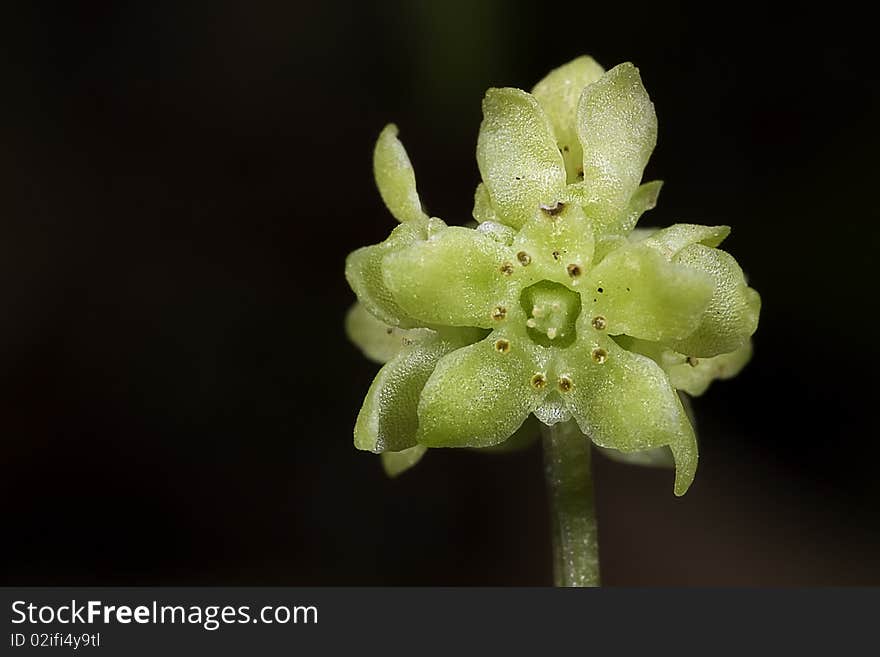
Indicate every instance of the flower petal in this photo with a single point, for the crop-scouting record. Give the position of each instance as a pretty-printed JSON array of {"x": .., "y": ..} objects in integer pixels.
[
  {"x": 623, "y": 400},
  {"x": 379, "y": 341},
  {"x": 517, "y": 155},
  {"x": 617, "y": 128},
  {"x": 388, "y": 419},
  {"x": 395, "y": 177},
  {"x": 458, "y": 277},
  {"x": 558, "y": 93},
  {"x": 479, "y": 395},
  {"x": 687, "y": 373},
  {"x": 694, "y": 375},
  {"x": 673, "y": 239},
  {"x": 638, "y": 292},
  {"x": 523, "y": 438},
  {"x": 732, "y": 314},
  {"x": 644, "y": 199},
  {"x": 363, "y": 270},
  {"x": 396, "y": 463},
  {"x": 483, "y": 210},
  {"x": 658, "y": 457}
]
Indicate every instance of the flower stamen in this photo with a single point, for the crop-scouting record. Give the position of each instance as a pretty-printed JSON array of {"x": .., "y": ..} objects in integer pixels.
[{"x": 502, "y": 346}]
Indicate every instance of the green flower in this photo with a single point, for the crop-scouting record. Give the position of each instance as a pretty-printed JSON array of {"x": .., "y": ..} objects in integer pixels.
[{"x": 553, "y": 305}]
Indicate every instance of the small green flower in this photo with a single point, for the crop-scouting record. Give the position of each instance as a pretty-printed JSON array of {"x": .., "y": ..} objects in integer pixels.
[{"x": 553, "y": 305}]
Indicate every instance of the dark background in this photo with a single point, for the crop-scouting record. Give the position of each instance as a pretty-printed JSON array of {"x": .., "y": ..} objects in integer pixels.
[{"x": 180, "y": 184}]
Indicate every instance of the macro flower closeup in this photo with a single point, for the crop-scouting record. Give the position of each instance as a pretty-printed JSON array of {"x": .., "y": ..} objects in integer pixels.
[{"x": 554, "y": 305}]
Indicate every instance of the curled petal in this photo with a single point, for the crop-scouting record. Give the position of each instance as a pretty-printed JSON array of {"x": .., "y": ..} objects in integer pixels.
[
  {"x": 396, "y": 463},
  {"x": 363, "y": 270},
  {"x": 732, "y": 314},
  {"x": 673, "y": 239},
  {"x": 388, "y": 419},
  {"x": 623, "y": 401},
  {"x": 517, "y": 155},
  {"x": 694, "y": 375},
  {"x": 638, "y": 292},
  {"x": 379, "y": 341},
  {"x": 617, "y": 128},
  {"x": 558, "y": 93},
  {"x": 479, "y": 395},
  {"x": 458, "y": 277},
  {"x": 395, "y": 177},
  {"x": 688, "y": 373}
]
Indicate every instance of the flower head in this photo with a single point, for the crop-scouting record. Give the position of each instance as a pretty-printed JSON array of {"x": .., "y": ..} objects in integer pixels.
[{"x": 553, "y": 305}]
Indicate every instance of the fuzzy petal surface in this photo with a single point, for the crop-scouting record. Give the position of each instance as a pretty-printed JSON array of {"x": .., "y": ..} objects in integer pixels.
[
  {"x": 517, "y": 155},
  {"x": 479, "y": 395},
  {"x": 363, "y": 270},
  {"x": 456, "y": 278},
  {"x": 640, "y": 293},
  {"x": 377, "y": 340},
  {"x": 624, "y": 401},
  {"x": 732, "y": 314},
  {"x": 559, "y": 93},
  {"x": 395, "y": 177},
  {"x": 388, "y": 419},
  {"x": 617, "y": 128}
]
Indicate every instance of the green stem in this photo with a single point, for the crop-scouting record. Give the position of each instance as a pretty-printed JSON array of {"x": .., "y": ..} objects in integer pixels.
[{"x": 572, "y": 509}]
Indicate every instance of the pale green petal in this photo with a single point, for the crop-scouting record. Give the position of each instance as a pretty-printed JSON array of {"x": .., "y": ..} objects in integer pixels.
[
  {"x": 558, "y": 93},
  {"x": 688, "y": 373},
  {"x": 731, "y": 316},
  {"x": 396, "y": 463},
  {"x": 673, "y": 239},
  {"x": 623, "y": 401},
  {"x": 693, "y": 375},
  {"x": 479, "y": 395},
  {"x": 379, "y": 341},
  {"x": 658, "y": 457},
  {"x": 556, "y": 246},
  {"x": 643, "y": 200},
  {"x": 606, "y": 243},
  {"x": 388, "y": 419},
  {"x": 363, "y": 270},
  {"x": 522, "y": 438},
  {"x": 458, "y": 277},
  {"x": 617, "y": 128},
  {"x": 638, "y": 292},
  {"x": 640, "y": 234},
  {"x": 483, "y": 210},
  {"x": 395, "y": 177},
  {"x": 517, "y": 155}
]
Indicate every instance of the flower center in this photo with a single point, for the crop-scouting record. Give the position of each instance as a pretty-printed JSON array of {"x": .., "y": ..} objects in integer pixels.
[{"x": 552, "y": 310}]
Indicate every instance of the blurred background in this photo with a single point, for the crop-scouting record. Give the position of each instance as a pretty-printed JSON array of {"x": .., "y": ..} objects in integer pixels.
[{"x": 181, "y": 182}]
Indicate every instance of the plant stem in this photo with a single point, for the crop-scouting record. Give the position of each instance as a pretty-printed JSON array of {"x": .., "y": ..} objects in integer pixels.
[{"x": 572, "y": 509}]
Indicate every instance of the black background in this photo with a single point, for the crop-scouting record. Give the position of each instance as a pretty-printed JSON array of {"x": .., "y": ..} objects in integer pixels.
[{"x": 180, "y": 184}]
